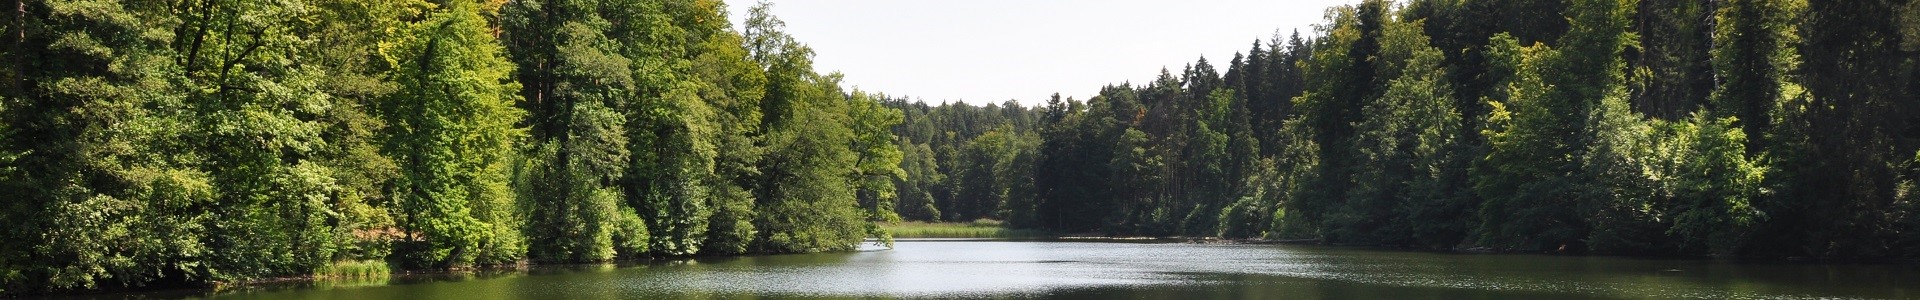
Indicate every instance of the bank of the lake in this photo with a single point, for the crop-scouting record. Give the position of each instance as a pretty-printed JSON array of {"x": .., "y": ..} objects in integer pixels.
[
  {"x": 976, "y": 229},
  {"x": 918, "y": 268}
]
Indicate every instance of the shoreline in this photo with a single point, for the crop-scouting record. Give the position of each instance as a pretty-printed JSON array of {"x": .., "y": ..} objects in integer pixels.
[
  {"x": 426, "y": 275},
  {"x": 1455, "y": 250},
  {"x": 210, "y": 288}
]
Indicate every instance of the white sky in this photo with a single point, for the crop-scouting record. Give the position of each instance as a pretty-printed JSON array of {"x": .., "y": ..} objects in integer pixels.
[{"x": 989, "y": 51}]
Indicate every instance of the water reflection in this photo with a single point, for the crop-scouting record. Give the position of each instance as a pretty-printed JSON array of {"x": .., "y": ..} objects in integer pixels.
[{"x": 1095, "y": 270}]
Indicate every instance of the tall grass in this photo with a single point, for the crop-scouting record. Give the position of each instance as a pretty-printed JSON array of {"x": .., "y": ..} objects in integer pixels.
[
  {"x": 986, "y": 229},
  {"x": 353, "y": 270}
]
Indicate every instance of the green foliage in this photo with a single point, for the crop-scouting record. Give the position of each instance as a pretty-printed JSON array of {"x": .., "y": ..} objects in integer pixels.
[
  {"x": 878, "y": 162},
  {"x": 630, "y": 235},
  {"x": 735, "y": 87},
  {"x": 1672, "y": 75},
  {"x": 731, "y": 231},
  {"x": 1751, "y": 59},
  {"x": 1072, "y": 172},
  {"x": 451, "y": 125},
  {"x": 353, "y": 33},
  {"x": 672, "y": 130},
  {"x": 230, "y": 140},
  {"x": 1338, "y": 78},
  {"x": 353, "y": 270},
  {"x": 1845, "y": 133},
  {"x": 824, "y": 150},
  {"x": 254, "y": 109},
  {"x": 1262, "y": 211},
  {"x": 1534, "y": 196},
  {"x": 1403, "y": 146},
  {"x": 916, "y": 189},
  {"x": 978, "y": 229},
  {"x": 571, "y": 213},
  {"x": 576, "y": 84},
  {"x": 94, "y": 201},
  {"x": 190, "y": 143},
  {"x": 987, "y": 176},
  {"x": 807, "y": 205},
  {"x": 199, "y": 141},
  {"x": 1716, "y": 186},
  {"x": 1423, "y": 126}
]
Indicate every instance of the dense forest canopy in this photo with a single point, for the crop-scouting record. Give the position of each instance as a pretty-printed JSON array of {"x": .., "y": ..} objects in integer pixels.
[
  {"x": 192, "y": 141},
  {"x": 1751, "y": 128},
  {"x": 225, "y": 140}
]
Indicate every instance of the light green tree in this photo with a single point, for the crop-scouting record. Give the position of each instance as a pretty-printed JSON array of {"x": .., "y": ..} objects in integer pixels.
[{"x": 451, "y": 126}]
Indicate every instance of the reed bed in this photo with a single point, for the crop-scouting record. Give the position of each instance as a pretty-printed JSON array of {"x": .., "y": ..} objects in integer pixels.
[
  {"x": 980, "y": 229},
  {"x": 354, "y": 269}
]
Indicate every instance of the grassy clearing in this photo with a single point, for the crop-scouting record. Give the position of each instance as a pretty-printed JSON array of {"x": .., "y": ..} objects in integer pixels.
[
  {"x": 354, "y": 269},
  {"x": 976, "y": 229}
]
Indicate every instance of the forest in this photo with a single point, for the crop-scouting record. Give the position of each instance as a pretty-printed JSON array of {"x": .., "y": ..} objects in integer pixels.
[
  {"x": 1773, "y": 129},
  {"x": 185, "y": 142},
  {"x": 195, "y": 141}
]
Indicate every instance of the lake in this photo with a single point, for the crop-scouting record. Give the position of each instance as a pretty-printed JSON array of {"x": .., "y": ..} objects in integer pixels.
[{"x": 1132, "y": 270}]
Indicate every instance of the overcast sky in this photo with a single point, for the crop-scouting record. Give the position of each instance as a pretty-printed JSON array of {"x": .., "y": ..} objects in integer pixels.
[{"x": 983, "y": 51}]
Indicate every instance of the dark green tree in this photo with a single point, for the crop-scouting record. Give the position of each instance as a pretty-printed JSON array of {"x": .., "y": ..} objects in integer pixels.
[
  {"x": 573, "y": 79},
  {"x": 1534, "y": 195}
]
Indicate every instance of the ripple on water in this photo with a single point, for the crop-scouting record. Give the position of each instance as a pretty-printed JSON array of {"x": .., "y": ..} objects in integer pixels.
[{"x": 996, "y": 269}]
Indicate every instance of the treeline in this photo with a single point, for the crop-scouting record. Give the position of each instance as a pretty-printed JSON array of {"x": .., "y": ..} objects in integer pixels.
[
  {"x": 964, "y": 162},
  {"x": 1752, "y": 128},
  {"x": 191, "y": 141}
]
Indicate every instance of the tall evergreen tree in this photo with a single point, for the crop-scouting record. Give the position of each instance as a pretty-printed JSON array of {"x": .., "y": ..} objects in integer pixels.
[
  {"x": 1861, "y": 83},
  {"x": 1342, "y": 76}
]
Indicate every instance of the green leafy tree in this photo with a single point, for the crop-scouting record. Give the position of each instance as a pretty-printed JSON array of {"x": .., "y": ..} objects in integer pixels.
[
  {"x": 671, "y": 130},
  {"x": 734, "y": 86},
  {"x": 95, "y": 113},
  {"x": 573, "y": 79},
  {"x": 257, "y": 101},
  {"x": 1339, "y": 78},
  {"x": 349, "y": 37},
  {"x": 807, "y": 196},
  {"x": 1538, "y": 135},
  {"x": 923, "y": 174},
  {"x": 878, "y": 162},
  {"x": 1717, "y": 184},
  {"x": 1404, "y": 148},
  {"x": 451, "y": 124}
]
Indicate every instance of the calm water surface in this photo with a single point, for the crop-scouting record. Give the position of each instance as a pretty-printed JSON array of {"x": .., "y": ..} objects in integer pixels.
[{"x": 1111, "y": 270}]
